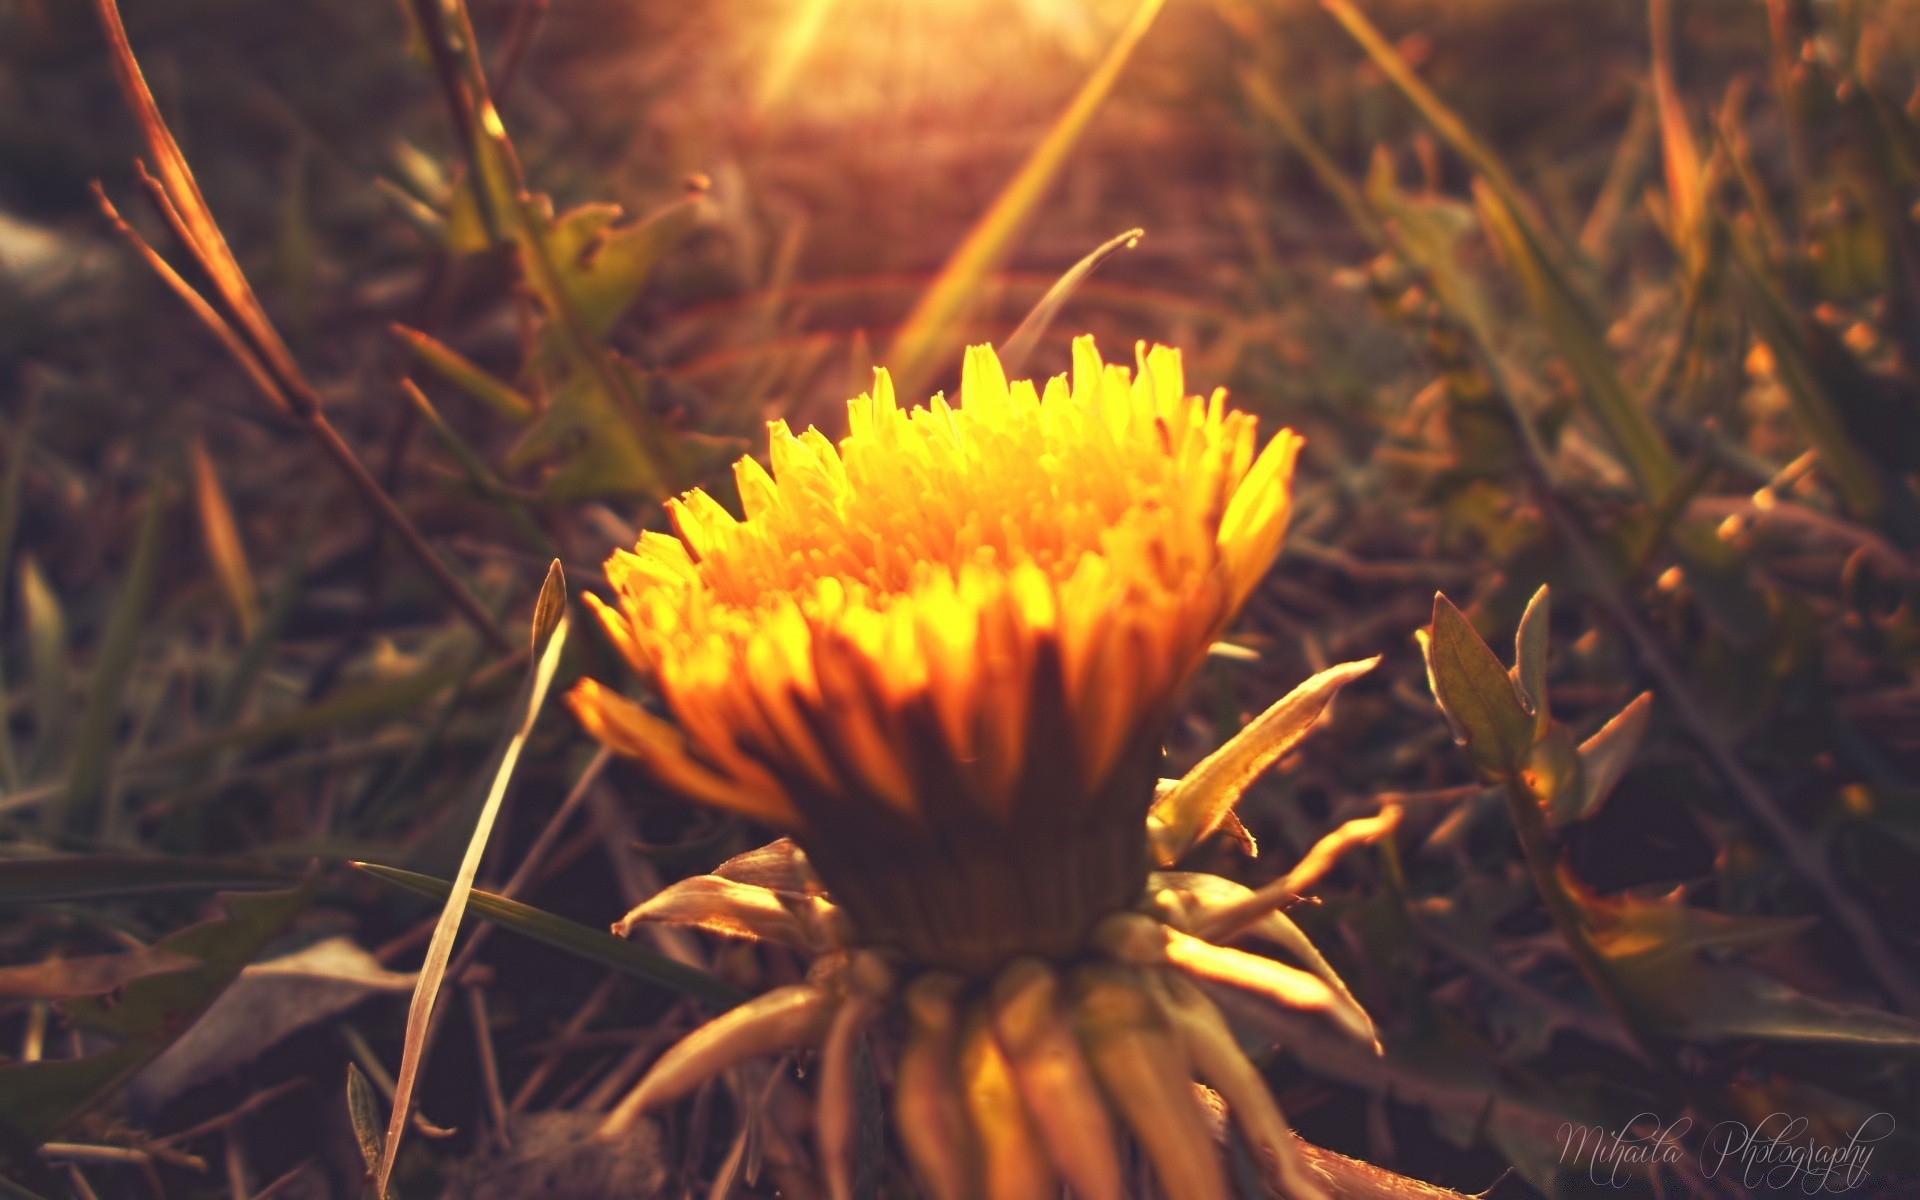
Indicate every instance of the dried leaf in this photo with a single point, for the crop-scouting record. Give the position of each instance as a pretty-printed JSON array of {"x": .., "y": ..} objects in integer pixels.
[
  {"x": 271, "y": 1001},
  {"x": 741, "y": 910},
  {"x": 39, "y": 1099}
]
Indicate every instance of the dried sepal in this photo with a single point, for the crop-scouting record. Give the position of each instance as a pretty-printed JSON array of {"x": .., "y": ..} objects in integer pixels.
[
  {"x": 1286, "y": 986},
  {"x": 1055, "y": 1081},
  {"x": 1197, "y": 804},
  {"x": 741, "y": 910},
  {"x": 1140, "y": 1066},
  {"x": 1226, "y": 922},
  {"x": 780, "y": 866},
  {"x": 1210, "y": 894},
  {"x": 836, "y": 1111},
  {"x": 796, "y": 1015},
  {"x": 1014, "y": 1160},
  {"x": 1216, "y": 1057},
  {"x": 928, "y": 1112}
]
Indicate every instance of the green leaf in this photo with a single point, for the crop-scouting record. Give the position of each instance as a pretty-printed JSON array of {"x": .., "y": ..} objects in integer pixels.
[
  {"x": 604, "y": 268},
  {"x": 574, "y": 938},
  {"x": 84, "y": 808},
  {"x": 1530, "y": 661},
  {"x": 363, "y": 1111},
  {"x": 85, "y": 877},
  {"x": 550, "y": 607},
  {"x": 1604, "y": 758},
  {"x": 40, "y": 1099},
  {"x": 1665, "y": 958},
  {"x": 1476, "y": 693},
  {"x": 593, "y": 438},
  {"x": 1196, "y": 805},
  {"x": 1724, "y": 1003}
]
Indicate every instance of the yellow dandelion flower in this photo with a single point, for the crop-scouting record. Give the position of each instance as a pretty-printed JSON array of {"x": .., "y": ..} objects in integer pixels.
[
  {"x": 966, "y": 623},
  {"x": 941, "y": 655}
]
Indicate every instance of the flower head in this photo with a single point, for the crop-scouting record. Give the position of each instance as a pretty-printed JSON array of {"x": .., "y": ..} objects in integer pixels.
[
  {"x": 962, "y": 628},
  {"x": 942, "y": 655}
]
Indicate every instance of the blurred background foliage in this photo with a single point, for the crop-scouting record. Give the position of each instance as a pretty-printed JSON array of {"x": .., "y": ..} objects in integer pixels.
[{"x": 1618, "y": 298}]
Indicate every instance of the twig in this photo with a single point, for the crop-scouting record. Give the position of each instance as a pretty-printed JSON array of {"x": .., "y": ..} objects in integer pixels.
[
  {"x": 251, "y": 1104},
  {"x": 489, "y": 1063}
]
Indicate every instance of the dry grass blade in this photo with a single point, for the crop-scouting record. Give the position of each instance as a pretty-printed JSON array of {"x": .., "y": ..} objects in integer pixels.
[
  {"x": 244, "y": 328},
  {"x": 222, "y": 536},
  {"x": 923, "y": 339},
  {"x": 1686, "y": 176},
  {"x": 187, "y": 209},
  {"x": 1020, "y": 343},
  {"x": 440, "y": 949}
]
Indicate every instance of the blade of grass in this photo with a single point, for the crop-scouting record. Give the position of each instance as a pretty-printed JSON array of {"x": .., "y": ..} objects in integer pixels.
[
  {"x": 1020, "y": 343},
  {"x": 1624, "y": 174},
  {"x": 1712, "y": 565},
  {"x": 440, "y": 949},
  {"x": 1646, "y": 454},
  {"x": 93, "y": 876},
  {"x": 234, "y": 691},
  {"x": 802, "y": 30},
  {"x": 479, "y": 475},
  {"x": 222, "y": 537},
  {"x": 15, "y": 475},
  {"x": 46, "y": 634},
  {"x": 1444, "y": 120},
  {"x": 925, "y": 337},
  {"x": 1680, "y": 154},
  {"x": 84, "y": 808},
  {"x": 1273, "y": 103},
  {"x": 573, "y": 937},
  {"x": 465, "y": 374}
]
